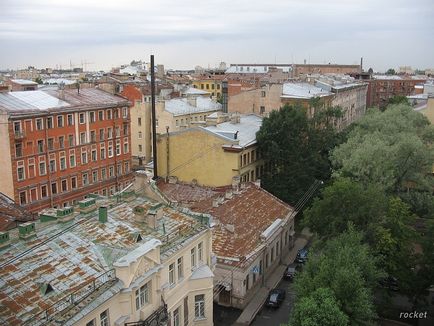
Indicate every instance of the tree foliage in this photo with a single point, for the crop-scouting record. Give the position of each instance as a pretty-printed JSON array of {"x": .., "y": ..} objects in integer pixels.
[
  {"x": 399, "y": 99},
  {"x": 391, "y": 148},
  {"x": 346, "y": 267},
  {"x": 390, "y": 71},
  {"x": 319, "y": 308},
  {"x": 296, "y": 150}
]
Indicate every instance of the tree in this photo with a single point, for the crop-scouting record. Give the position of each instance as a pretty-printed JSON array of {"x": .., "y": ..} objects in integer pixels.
[
  {"x": 343, "y": 202},
  {"x": 399, "y": 99},
  {"x": 295, "y": 150},
  {"x": 39, "y": 80},
  {"x": 390, "y": 71},
  {"x": 319, "y": 308},
  {"x": 391, "y": 148},
  {"x": 345, "y": 266}
]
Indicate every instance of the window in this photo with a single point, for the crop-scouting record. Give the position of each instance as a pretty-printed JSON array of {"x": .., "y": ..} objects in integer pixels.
[
  {"x": 193, "y": 257},
  {"x": 246, "y": 281},
  {"x": 84, "y": 158},
  {"x": 20, "y": 173},
  {"x": 23, "y": 197},
  {"x": 39, "y": 124},
  {"x": 82, "y": 138},
  {"x": 172, "y": 273},
  {"x": 199, "y": 306},
  {"x": 40, "y": 146},
  {"x": 93, "y": 155},
  {"x": 62, "y": 163},
  {"x": 140, "y": 135},
  {"x": 60, "y": 121},
  {"x": 125, "y": 129},
  {"x": 64, "y": 185},
  {"x": 71, "y": 140},
  {"x": 180, "y": 264},
  {"x": 111, "y": 171},
  {"x": 109, "y": 114},
  {"x": 139, "y": 121},
  {"x": 118, "y": 147},
  {"x": 127, "y": 167},
  {"x": 142, "y": 296},
  {"x": 93, "y": 136},
  {"x": 103, "y": 174},
  {"x": 176, "y": 317},
  {"x": 18, "y": 149},
  {"x": 119, "y": 169},
  {"x": 74, "y": 182},
  {"x": 94, "y": 176},
  {"x": 50, "y": 144},
  {"x": 100, "y": 115},
  {"x": 91, "y": 323},
  {"x": 42, "y": 170},
  {"x": 50, "y": 122},
  {"x": 72, "y": 160},
  {"x": 85, "y": 179},
  {"x": 70, "y": 119},
  {"x": 177, "y": 122},
  {"x": 125, "y": 113},
  {"x": 92, "y": 117},
  {"x": 262, "y": 110},
  {"x": 116, "y": 113},
  {"x": 200, "y": 251},
  {"x": 101, "y": 134},
  {"x": 43, "y": 191},
  {"x": 104, "y": 318},
  {"x": 140, "y": 148},
  {"x": 54, "y": 188},
  {"x": 61, "y": 142},
  {"x": 117, "y": 131},
  {"x": 109, "y": 133},
  {"x": 81, "y": 118},
  {"x": 102, "y": 154},
  {"x": 263, "y": 94},
  {"x": 52, "y": 166}
]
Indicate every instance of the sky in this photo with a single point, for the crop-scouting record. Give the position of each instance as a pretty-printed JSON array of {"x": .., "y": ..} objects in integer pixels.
[{"x": 100, "y": 34}]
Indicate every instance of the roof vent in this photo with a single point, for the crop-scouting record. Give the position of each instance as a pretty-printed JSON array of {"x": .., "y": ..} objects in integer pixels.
[
  {"x": 26, "y": 230},
  {"x": 46, "y": 288},
  {"x": 4, "y": 240},
  {"x": 87, "y": 205},
  {"x": 102, "y": 214}
]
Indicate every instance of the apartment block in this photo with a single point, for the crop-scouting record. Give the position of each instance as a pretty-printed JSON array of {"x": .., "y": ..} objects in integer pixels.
[
  {"x": 128, "y": 261},
  {"x": 61, "y": 145}
]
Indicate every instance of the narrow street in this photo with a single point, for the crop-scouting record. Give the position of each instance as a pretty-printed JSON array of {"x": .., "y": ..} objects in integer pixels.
[{"x": 276, "y": 317}]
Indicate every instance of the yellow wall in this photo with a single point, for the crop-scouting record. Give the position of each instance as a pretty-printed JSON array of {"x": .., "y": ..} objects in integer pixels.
[
  {"x": 197, "y": 154},
  {"x": 6, "y": 182},
  {"x": 207, "y": 85}
]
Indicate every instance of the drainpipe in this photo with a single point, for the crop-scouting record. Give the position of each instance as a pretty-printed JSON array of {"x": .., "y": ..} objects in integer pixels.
[
  {"x": 47, "y": 162},
  {"x": 167, "y": 154}
]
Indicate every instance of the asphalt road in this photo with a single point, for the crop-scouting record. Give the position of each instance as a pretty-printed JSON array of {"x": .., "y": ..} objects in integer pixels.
[{"x": 276, "y": 317}]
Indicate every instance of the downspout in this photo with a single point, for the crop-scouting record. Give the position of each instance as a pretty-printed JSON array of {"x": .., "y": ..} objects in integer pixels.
[
  {"x": 167, "y": 154},
  {"x": 47, "y": 166}
]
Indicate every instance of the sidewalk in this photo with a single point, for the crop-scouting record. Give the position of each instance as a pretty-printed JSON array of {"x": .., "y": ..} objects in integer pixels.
[{"x": 251, "y": 310}]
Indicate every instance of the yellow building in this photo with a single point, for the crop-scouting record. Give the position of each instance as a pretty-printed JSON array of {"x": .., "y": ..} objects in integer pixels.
[
  {"x": 211, "y": 85},
  {"x": 215, "y": 155},
  {"x": 129, "y": 262}
]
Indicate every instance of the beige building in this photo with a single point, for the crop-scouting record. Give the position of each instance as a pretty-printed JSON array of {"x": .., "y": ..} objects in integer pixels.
[
  {"x": 253, "y": 233},
  {"x": 184, "y": 112},
  {"x": 130, "y": 261},
  {"x": 214, "y": 155}
]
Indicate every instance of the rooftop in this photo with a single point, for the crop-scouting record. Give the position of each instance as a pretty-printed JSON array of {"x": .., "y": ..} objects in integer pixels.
[
  {"x": 67, "y": 256},
  {"x": 10, "y": 213},
  {"x": 24, "y": 82},
  {"x": 245, "y": 129},
  {"x": 181, "y": 106},
  {"x": 303, "y": 91},
  {"x": 49, "y": 100},
  {"x": 239, "y": 221},
  {"x": 195, "y": 91}
]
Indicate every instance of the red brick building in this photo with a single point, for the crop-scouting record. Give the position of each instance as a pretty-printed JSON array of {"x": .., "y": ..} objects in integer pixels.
[
  {"x": 381, "y": 88},
  {"x": 60, "y": 145}
]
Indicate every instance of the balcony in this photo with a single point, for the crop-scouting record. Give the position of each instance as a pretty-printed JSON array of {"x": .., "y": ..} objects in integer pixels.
[
  {"x": 19, "y": 134},
  {"x": 158, "y": 318}
]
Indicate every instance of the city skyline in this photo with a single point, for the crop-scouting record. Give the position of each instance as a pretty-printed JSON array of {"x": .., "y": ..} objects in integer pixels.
[{"x": 183, "y": 34}]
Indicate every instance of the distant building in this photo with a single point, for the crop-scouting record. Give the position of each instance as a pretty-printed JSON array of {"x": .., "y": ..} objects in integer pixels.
[
  {"x": 60, "y": 145},
  {"x": 253, "y": 233},
  {"x": 17, "y": 85},
  {"x": 405, "y": 70},
  {"x": 381, "y": 88},
  {"x": 116, "y": 262},
  {"x": 12, "y": 214},
  {"x": 215, "y": 155},
  {"x": 210, "y": 84},
  {"x": 308, "y": 69}
]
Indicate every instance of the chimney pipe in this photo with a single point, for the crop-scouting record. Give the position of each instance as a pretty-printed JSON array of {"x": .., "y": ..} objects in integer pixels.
[{"x": 154, "y": 118}]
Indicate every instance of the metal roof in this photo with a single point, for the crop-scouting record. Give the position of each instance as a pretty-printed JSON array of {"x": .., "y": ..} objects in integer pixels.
[{"x": 303, "y": 91}]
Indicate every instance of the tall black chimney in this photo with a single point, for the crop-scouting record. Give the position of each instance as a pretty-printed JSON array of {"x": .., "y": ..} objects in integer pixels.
[{"x": 154, "y": 119}]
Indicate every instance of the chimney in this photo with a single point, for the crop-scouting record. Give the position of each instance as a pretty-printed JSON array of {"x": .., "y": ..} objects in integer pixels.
[
  {"x": 228, "y": 194},
  {"x": 257, "y": 183},
  {"x": 192, "y": 100},
  {"x": 235, "y": 118},
  {"x": 65, "y": 214},
  {"x": 61, "y": 87},
  {"x": 155, "y": 213},
  {"x": 236, "y": 135},
  {"x": 102, "y": 214}
]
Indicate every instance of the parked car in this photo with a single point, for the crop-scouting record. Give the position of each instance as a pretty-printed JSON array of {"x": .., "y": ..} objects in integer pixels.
[
  {"x": 275, "y": 298},
  {"x": 301, "y": 256},
  {"x": 390, "y": 283},
  {"x": 290, "y": 272}
]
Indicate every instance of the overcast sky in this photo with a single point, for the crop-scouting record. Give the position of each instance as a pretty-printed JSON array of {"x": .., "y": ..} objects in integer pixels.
[{"x": 186, "y": 33}]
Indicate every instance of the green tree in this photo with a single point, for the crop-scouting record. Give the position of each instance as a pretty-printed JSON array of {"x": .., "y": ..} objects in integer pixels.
[
  {"x": 391, "y": 148},
  {"x": 319, "y": 308},
  {"x": 345, "y": 266},
  {"x": 390, "y": 71},
  {"x": 295, "y": 151},
  {"x": 399, "y": 99},
  {"x": 39, "y": 80}
]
